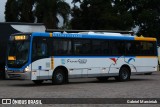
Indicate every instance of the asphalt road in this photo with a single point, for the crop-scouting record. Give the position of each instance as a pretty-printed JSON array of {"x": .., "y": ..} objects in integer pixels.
[{"x": 140, "y": 86}]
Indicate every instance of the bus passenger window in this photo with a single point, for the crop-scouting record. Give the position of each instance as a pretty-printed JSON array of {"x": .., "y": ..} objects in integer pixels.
[
  {"x": 82, "y": 47},
  {"x": 62, "y": 47},
  {"x": 100, "y": 47}
]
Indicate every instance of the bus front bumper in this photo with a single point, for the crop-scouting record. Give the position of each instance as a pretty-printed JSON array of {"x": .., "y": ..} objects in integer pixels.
[{"x": 19, "y": 75}]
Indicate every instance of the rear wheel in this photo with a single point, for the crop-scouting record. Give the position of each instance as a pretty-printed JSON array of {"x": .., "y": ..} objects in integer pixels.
[
  {"x": 124, "y": 74},
  {"x": 103, "y": 79},
  {"x": 38, "y": 82},
  {"x": 58, "y": 77}
]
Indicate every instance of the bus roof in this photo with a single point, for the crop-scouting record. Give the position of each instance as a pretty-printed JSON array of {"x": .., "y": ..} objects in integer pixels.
[
  {"x": 79, "y": 31},
  {"x": 93, "y": 35}
]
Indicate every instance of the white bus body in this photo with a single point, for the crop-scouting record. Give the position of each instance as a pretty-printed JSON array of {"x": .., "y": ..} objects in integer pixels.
[{"x": 59, "y": 64}]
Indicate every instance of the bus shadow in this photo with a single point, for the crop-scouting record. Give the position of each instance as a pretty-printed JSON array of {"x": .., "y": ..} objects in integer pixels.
[
  {"x": 109, "y": 81},
  {"x": 78, "y": 82},
  {"x": 31, "y": 85}
]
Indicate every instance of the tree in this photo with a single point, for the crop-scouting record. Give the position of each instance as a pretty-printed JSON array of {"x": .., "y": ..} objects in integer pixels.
[
  {"x": 41, "y": 11},
  {"x": 146, "y": 14},
  {"x": 19, "y": 11},
  {"x": 26, "y": 10},
  {"x": 118, "y": 14},
  {"x": 11, "y": 11},
  {"x": 101, "y": 14},
  {"x": 47, "y": 11}
]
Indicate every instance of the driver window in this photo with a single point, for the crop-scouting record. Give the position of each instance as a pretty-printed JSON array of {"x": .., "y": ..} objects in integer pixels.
[{"x": 39, "y": 48}]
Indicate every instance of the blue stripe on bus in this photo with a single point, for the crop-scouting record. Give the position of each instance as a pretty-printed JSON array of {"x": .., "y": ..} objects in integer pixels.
[
  {"x": 94, "y": 56},
  {"x": 60, "y": 35},
  {"x": 108, "y": 37},
  {"x": 89, "y": 36},
  {"x": 41, "y": 34}
]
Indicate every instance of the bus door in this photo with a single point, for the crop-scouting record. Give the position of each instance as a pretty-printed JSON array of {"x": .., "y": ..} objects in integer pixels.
[{"x": 40, "y": 58}]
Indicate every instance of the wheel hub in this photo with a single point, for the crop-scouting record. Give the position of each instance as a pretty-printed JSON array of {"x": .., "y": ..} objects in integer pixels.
[{"x": 59, "y": 77}]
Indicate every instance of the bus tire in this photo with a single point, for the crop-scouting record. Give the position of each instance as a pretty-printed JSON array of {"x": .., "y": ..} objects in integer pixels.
[
  {"x": 103, "y": 79},
  {"x": 58, "y": 77},
  {"x": 38, "y": 82},
  {"x": 124, "y": 74}
]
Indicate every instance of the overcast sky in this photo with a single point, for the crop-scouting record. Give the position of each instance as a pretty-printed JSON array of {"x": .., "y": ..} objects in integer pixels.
[{"x": 2, "y": 9}]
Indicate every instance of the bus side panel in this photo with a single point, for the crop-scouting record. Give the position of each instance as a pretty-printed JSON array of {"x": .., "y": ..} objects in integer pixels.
[
  {"x": 41, "y": 69},
  {"x": 145, "y": 64},
  {"x": 89, "y": 66}
]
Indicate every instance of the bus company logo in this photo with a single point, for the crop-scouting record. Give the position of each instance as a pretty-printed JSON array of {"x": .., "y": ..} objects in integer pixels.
[
  {"x": 63, "y": 61},
  {"x": 80, "y": 61}
]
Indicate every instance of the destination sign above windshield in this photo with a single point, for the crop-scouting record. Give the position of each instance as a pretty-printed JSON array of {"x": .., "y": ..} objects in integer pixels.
[{"x": 19, "y": 37}]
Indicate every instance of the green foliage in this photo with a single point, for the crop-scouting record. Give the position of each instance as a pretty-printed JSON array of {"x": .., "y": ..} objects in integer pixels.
[
  {"x": 26, "y": 10},
  {"x": 91, "y": 14},
  {"x": 47, "y": 10},
  {"x": 19, "y": 11},
  {"x": 147, "y": 17},
  {"x": 41, "y": 11},
  {"x": 118, "y": 15},
  {"x": 11, "y": 11},
  {"x": 101, "y": 14}
]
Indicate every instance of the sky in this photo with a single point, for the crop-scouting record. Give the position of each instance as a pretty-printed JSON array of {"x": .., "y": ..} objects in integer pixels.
[{"x": 2, "y": 9}]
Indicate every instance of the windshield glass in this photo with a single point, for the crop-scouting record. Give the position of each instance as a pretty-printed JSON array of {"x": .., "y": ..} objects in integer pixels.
[{"x": 18, "y": 53}]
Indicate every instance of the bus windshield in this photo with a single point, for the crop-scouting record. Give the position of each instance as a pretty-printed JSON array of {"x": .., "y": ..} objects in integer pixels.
[{"x": 18, "y": 53}]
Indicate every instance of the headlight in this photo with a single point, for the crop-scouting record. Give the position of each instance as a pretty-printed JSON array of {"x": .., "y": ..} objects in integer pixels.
[
  {"x": 5, "y": 68},
  {"x": 27, "y": 69}
]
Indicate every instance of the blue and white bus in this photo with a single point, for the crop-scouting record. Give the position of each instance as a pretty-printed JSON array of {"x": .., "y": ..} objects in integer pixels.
[{"x": 60, "y": 56}]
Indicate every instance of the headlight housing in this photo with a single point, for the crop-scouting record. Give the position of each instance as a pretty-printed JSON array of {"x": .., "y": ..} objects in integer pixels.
[
  {"x": 5, "y": 68},
  {"x": 27, "y": 69}
]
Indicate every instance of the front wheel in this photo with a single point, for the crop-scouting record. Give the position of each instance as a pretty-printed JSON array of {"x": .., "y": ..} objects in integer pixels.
[
  {"x": 58, "y": 77},
  {"x": 124, "y": 74}
]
